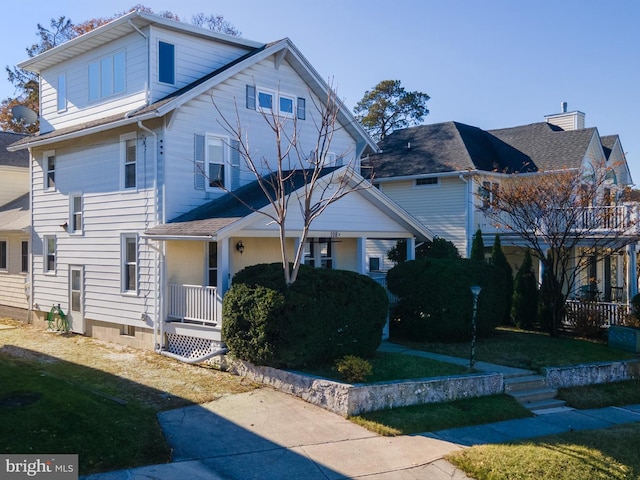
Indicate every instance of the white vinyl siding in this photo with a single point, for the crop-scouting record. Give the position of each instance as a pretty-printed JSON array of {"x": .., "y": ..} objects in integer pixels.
[{"x": 443, "y": 209}]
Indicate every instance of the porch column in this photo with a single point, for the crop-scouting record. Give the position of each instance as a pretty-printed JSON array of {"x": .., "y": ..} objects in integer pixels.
[
  {"x": 632, "y": 272},
  {"x": 411, "y": 248},
  {"x": 361, "y": 255},
  {"x": 223, "y": 274}
]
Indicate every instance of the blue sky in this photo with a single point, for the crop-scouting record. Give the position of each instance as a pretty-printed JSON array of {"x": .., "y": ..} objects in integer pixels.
[{"x": 487, "y": 63}]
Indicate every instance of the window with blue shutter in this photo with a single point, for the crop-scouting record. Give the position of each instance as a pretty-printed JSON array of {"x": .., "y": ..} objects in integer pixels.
[{"x": 301, "y": 109}]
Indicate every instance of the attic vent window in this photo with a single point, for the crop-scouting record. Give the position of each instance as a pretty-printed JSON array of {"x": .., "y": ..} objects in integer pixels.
[{"x": 426, "y": 181}]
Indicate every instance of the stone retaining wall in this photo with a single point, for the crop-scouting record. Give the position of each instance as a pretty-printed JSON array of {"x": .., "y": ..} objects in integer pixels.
[
  {"x": 590, "y": 374},
  {"x": 345, "y": 399}
]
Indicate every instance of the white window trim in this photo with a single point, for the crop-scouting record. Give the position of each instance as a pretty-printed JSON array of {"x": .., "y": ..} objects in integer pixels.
[
  {"x": 276, "y": 95},
  {"x": 6, "y": 253},
  {"x": 124, "y": 263},
  {"x": 427, "y": 185},
  {"x": 226, "y": 152},
  {"x": 45, "y": 170},
  {"x": 123, "y": 160},
  {"x": 72, "y": 212},
  {"x": 98, "y": 61},
  {"x": 45, "y": 254},
  {"x": 380, "y": 263},
  {"x": 61, "y": 93}
]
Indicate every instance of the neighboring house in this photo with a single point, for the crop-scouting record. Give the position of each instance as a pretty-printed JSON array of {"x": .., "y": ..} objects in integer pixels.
[
  {"x": 438, "y": 173},
  {"x": 130, "y": 236},
  {"x": 14, "y": 228}
]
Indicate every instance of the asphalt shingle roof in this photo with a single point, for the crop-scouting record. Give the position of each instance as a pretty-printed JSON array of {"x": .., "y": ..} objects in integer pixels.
[
  {"x": 15, "y": 216},
  {"x": 12, "y": 159},
  {"x": 454, "y": 146}
]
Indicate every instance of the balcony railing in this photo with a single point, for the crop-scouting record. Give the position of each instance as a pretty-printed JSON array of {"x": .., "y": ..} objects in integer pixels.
[
  {"x": 193, "y": 304},
  {"x": 607, "y": 218}
]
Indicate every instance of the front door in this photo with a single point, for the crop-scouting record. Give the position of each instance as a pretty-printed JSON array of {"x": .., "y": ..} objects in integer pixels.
[{"x": 75, "y": 315}]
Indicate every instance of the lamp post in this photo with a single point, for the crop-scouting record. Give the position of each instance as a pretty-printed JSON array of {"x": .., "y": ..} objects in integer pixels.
[{"x": 475, "y": 290}]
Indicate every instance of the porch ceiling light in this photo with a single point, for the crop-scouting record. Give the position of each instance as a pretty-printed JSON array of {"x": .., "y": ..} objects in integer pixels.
[{"x": 240, "y": 247}]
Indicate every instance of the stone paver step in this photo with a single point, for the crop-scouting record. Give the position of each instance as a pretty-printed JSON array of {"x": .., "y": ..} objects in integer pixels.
[
  {"x": 525, "y": 382},
  {"x": 529, "y": 396},
  {"x": 546, "y": 404}
]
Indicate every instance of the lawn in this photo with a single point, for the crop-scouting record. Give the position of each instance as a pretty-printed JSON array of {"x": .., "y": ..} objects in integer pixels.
[
  {"x": 529, "y": 350},
  {"x": 396, "y": 366},
  {"x": 610, "y": 454}
]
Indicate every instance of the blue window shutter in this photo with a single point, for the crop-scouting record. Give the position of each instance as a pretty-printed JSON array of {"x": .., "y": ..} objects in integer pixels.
[
  {"x": 235, "y": 165},
  {"x": 251, "y": 97},
  {"x": 301, "y": 110},
  {"x": 198, "y": 162}
]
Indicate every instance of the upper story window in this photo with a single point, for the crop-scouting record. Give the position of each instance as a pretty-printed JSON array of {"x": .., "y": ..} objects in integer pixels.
[
  {"x": 128, "y": 160},
  {"x": 426, "y": 181},
  {"x": 487, "y": 193},
  {"x": 166, "y": 63},
  {"x": 62, "y": 92},
  {"x": 215, "y": 160},
  {"x": 270, "y": 102},
  {"x": 49, "y": 166},
  {"x": 107, "y": 76},
  {"x": 76, "y": 213}
]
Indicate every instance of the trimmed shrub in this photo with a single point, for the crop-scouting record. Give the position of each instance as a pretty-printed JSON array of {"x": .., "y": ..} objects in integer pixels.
[
  {"x": 324, "y": 315},
  {"x": 435, "y": 302},
  {"x": 477, "y": 247},
  {"x": 354, "y": 369},
  {"x": 525, "y": 296}
]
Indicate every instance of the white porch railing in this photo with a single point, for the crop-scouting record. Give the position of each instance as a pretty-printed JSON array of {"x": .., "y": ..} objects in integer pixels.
[
  {"x": 609, "y": 313},
  {"x": 193, "y": 303},
  {"x": 619, "y": 218}
]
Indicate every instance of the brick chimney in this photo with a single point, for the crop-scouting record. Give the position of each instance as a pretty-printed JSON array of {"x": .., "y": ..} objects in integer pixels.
[{"x": 566, "y": 120}]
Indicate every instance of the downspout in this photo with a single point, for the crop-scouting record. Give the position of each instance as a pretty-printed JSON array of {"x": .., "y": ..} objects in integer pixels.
[
  {"x": 31, "y": 235},
  {"x": 158, "y": 306},
  {"x": 469, "y": 209}
]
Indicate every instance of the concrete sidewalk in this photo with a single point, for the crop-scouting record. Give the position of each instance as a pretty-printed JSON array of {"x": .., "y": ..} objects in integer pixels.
[{"x": 265, "y": 434}]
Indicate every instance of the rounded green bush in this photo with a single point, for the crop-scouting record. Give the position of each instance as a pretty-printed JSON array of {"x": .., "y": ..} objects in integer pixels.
[
  {"x": 435, "y": 302},
  {"x": 324, "y": 315}
]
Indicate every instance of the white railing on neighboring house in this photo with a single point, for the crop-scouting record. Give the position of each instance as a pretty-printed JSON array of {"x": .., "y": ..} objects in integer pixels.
[
  {"x": 192, "y": 303},
  {"x": 606, "y": 313},
  {"x": 381, "y": 279},
  {"x": 619, "y": 218}
]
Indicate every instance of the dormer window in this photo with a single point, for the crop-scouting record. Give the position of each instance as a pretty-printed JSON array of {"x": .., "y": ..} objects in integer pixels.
[
  {"x": 166, "y": 63},
  {"x": 107, "y": 76}
]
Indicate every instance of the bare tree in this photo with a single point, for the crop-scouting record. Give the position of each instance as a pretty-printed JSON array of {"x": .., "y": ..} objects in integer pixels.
[
  {"x": 301, "y": 174},
  {"x": 565, "y": 217}
]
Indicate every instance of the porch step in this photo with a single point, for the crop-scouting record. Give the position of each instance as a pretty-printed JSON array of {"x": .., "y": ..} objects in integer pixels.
[
  {"x": 526, "y": 382},
  {"x": 526, "y": 397},
  {"x": 531, "y": 392}
]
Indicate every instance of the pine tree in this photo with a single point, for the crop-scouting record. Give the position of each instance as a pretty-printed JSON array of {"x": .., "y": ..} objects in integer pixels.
[
  {"x": 525, "y": 295},
  {"x": 504, "y": 277},
  {"x": 477, "y": 247}
]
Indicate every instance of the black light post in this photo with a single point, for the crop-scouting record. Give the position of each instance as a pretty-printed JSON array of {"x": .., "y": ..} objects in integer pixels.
[{"x": 475, "y": 290}]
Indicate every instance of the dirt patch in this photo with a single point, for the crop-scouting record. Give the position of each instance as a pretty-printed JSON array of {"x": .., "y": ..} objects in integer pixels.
[{"x": 135, "y": 375}]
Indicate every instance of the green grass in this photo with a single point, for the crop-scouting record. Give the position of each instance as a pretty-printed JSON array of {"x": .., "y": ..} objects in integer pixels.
[
  {"x": 610, "y": 454},
  {"x": 396, "y": 366},
  {"x": 64, "y": 418},
  {"x": 604, "y": 395},
  {"x": 529, "y": 350},
  {"x": 440, "y": 416}
]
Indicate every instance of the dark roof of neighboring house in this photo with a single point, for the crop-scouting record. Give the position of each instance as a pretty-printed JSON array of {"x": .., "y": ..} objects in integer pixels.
[
  {"x": 12, "y": 159},
  {"x": 207, "y": 219},
  {"x": 453, "y": 147}
]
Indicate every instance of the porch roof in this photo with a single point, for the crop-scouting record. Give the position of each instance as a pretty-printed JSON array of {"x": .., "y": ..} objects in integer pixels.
[{"x": 15, "y": 216}]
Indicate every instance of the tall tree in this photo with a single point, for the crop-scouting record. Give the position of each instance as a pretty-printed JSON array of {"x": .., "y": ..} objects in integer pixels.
[
  {"x": 561, "y": 217},
  {"x": 388, "y": 107},
  {"x": 60, "y": 30},
  {"x": 505, "y": 277},
  {"x": 301, "y": 174},
  {"x": 525, "y": 295},
  {"x": 477, "y": 246}
]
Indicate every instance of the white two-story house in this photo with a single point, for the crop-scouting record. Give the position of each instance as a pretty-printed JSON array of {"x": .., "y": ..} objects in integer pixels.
[
  {"x": 135, "y": 234},
  {"x": 439, "y": 174}
]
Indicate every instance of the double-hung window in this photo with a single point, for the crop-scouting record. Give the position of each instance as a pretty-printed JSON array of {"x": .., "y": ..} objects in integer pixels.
[
  {"x": 128, "y": 159},
  {"x": 487, "y": 193},
  {"x": 76, "y": 213},
  {"x": 107, "y": 76},
  {"x": 129, "y": 263},
  {"x": 24, "y": 259},
  {"x": 49, "y": 165},
  {"x": 215, "y": 157},
  {"x": 49, "y": 254},
  {"x": 4, "y": 255}
]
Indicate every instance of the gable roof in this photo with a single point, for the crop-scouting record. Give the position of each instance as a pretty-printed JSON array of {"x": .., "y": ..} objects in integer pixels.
[
  {"x": 12, "y": 159},
  {"x": 233, "y": 208},
  {"x": 256, "y": 52},
  {"x": 456, "y": 147}
]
